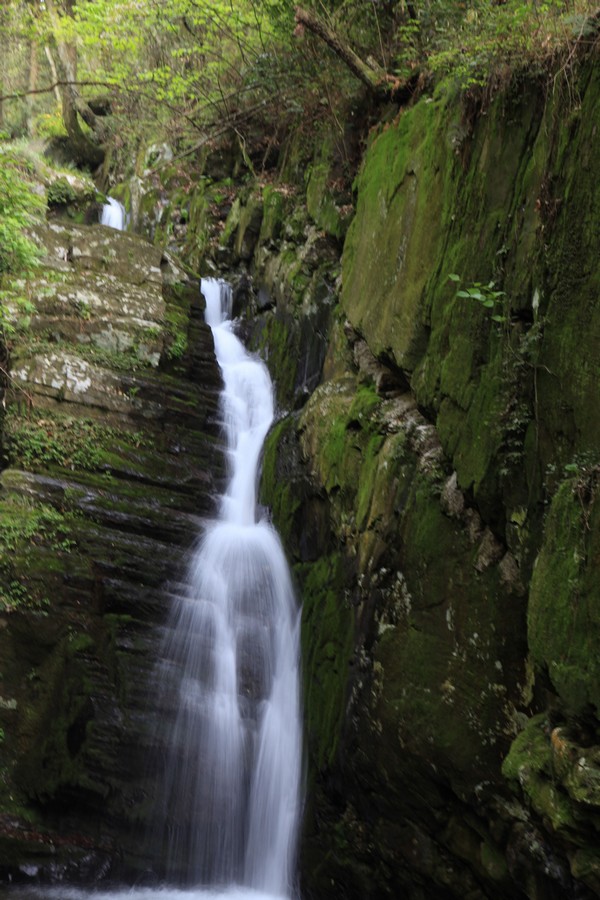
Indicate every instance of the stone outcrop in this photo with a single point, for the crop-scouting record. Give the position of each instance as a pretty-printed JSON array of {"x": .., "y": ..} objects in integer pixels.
[
  {"x": 438, "y": 494},
  {"x": 110, "y": 452}
]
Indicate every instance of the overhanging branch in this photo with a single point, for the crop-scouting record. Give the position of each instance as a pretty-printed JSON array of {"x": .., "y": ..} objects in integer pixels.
[
  {"x": 374, "y": 77},
  {"x": 47, "y": 89}
]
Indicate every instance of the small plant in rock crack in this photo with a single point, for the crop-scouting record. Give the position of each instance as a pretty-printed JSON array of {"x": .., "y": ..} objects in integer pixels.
[{"x": 485, "y": 294}]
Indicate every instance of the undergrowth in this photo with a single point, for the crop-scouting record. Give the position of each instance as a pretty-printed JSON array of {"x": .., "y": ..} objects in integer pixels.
[
  {"x": 487, "y": 42},
  {"x": 64, "y": 441},
  {"x": 21, "y": 207},
  {"x": 27, "y": 526}
]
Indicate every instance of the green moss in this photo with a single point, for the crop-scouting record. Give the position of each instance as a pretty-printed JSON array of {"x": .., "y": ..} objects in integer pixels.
[
  {"x": 249, "y": 226},
  {"x": 64, "y": 441},
  {"x": 529, "y": 765},
  {"x": 585, "y": 866},
  {"x": 495, "y": 196},
  {"x": 563, "y": 618},
  {"x": 197, "y": 233},
  {"x": 474, "y": 438},
  {"x": 368, "y": 475},
  {"x": 277, "y": 490},
  {"x": 231, "y": 223},
  {"x": 279, "y": 274},
  {"x": 274, "y": 212},
  {"x": 320, "y": 201},
  {"x": 327, "y": 649},
  {"x": 24, "y": 522},
  {"x": 571, "y": 209},
  {"x": 426, "y": 180},
  {"x": 177, "y": 325},
  {"x": 364, "y": 405},
  {"x": 440, "y": 624},
  {"x": 391, "y": 245},
  {"x": 54, "y": 727},
  {"x": 34, "y": 540},
  {"x": 278, "y": 344},
  {"x": 342, "y": 421},
  {"x": 338, "y": 463},
  {"x": 494, "y": 863}
]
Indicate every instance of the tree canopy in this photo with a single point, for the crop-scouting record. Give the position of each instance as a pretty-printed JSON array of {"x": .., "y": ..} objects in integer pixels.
[{"x": 188, "y": 66}]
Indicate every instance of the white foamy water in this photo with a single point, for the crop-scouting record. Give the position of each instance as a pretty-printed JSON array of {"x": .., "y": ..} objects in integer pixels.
[
  {"x": 64, "y": 893},
  {"x": 232, "y": 794},
  {"x": 231, "y": 799},
  {"x": 113, "y": 214}
]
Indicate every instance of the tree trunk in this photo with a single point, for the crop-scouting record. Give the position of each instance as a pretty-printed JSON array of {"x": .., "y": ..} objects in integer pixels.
[
  {"x": 87, "y": 149},
  {"x": 34, "y": 68},
  {"x": 54, "y": 71},
  {"x": 3, "y": 55},
  {"x": 374, "y": 77}
]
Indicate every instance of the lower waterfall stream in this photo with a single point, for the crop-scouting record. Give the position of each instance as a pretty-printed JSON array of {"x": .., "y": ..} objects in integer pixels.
[
  {"x": 232, "y": 793},
  {"x": 231, "y": 803}
]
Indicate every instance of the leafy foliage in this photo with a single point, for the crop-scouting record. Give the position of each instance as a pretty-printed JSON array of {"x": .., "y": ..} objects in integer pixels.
[
  {"x": 20, "y": 207},
  {"x": 60, "y": 192},
  {"x": 189, "y": 62},
  {"x": 67, "y": 442},
  {"x": 484, "y": 294},
  {"x": 187, "y": 70},
  {"x": 478, "y": 41},
  {"x": 26, "y": 525}
]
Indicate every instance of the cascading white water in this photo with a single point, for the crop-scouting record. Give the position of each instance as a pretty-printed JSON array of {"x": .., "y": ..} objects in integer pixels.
[
  {"x": 233, "y": 784},
  {"x": 113, "y": 214},
  {"x": 232, "y": 795}
]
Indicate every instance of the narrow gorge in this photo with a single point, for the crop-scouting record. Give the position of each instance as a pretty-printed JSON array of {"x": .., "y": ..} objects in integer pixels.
[{"x": 425, "y": 293}]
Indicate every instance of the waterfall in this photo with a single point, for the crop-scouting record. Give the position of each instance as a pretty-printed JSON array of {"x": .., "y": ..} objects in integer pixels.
[
  {"x": 113, "y": 214},
  {"x": 232, "y": 792},
  {"x": 231, "y": 799}
]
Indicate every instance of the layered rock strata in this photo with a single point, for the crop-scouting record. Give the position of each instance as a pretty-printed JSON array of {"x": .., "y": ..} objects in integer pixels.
[{"x": 110, "y": 455}]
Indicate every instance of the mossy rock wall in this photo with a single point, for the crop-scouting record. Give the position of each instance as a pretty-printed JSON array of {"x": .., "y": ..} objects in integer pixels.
[
  {"x": 447, "y": 468},
  {"x": 504, "y": 194},
  {"x": 110, "y": 453}
]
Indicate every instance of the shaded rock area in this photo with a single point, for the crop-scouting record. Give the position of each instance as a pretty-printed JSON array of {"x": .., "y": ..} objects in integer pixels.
[
  {"x": 438, "y": 495},
  {"x": 285, "y": 266},
  {"x": 433, "y": 475},
  {"x": 110, "y": 458}
]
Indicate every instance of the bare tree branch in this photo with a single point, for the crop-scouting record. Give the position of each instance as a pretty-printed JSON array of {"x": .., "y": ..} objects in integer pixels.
[
  {"x": 60, "y": 82},
  {"x": 373, "y": 77},
  {"x": 54, "y": 71},
  {"x": 214, "y": 130}
]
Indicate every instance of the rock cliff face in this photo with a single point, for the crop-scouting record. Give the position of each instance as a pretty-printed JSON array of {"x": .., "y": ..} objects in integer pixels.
[
  {"x": 438, "y": 493},
  {"x": 110, "y": 458}
]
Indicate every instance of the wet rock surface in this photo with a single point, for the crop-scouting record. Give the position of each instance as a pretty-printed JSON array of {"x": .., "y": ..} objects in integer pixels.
[
  {"x": 110, "y": 458},
  {"x": 438, "y": 494}
]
